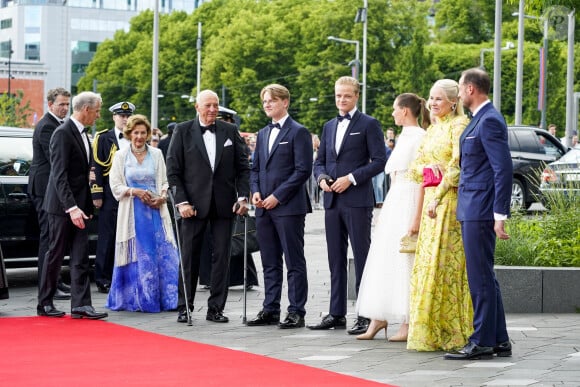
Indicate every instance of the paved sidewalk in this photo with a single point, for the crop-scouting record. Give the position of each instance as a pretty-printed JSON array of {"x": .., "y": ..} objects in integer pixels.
[{"x": 546, "y": 346}]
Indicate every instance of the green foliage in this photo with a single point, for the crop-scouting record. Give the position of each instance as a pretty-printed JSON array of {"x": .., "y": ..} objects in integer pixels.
[
  {"x": 13, "y": 112},
  {"x": 549, "y": 239},
  {"x": 250, "y": 43}
]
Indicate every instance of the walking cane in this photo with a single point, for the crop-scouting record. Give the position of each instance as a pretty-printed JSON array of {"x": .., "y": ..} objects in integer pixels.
[
  {"x": 175, "y": 211},
  {"x": 245, "y": 265}
]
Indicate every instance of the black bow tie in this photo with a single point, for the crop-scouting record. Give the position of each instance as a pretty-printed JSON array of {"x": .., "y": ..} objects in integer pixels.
[
  {"x": 121, "y": 136},
  {"x": 276, "y": 125},
  {"x": 85, "y": 130},
  {"x": 345, "y": 117},
  {"x": 211, "y": 128},
  {"x": 469, "y": 114}
]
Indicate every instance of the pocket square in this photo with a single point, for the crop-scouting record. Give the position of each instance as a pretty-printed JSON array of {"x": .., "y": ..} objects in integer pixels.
[
  {"x": 469, "y": 137},
  {"x": 283, "y": 143},
  {"x": 355, "y": 133},
  {"x": 228, "y": 143}
]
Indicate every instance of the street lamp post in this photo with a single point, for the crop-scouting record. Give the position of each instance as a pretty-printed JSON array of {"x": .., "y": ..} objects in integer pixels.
[
  {"x": 361, "y": 17},
  {"x": 356, "y": 63},
  {"x": 508, "y": 46},
  {"x": 543, "y": 66},
  {"x": 10, "y": 52}
]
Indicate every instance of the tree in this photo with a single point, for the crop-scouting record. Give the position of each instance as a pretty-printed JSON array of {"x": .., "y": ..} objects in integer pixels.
[{"x": 13, "y": 112}]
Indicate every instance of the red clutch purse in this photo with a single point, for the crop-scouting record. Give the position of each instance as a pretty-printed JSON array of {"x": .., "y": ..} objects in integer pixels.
[{"x": 429, "y": 179}]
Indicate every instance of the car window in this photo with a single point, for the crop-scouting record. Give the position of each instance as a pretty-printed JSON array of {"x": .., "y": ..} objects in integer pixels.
[
  {"x": 528, "y": 141},
  {"x": 550, "y": 147},
  {"x": 15, "y": 156}
]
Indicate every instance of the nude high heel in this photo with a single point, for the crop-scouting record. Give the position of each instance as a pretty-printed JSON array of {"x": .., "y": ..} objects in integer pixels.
[
  {"x": 402, "y": 334},
  {"x": 374, "y": 327}
]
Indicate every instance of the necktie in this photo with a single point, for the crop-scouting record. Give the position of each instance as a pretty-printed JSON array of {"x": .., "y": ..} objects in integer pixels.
[
  {"x": 345, "y": 117},
  {"x": 121, "y": 136},
  {"x": 276, "y": 125},
  {"x": 211, "y": 128}
]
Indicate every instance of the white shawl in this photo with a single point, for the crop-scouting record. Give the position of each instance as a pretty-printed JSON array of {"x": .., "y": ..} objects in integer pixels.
[{"x": 125, "y": 236}]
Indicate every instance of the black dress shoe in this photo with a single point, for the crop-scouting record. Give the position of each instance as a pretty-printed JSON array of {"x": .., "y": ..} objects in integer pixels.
[
  {"x": 361, "y": 324},
  {"x": 216, "y": 316},
  {"x": 48, "y": 311},
  {"x": 293, "y": 320},
  {"x": 61, "y": 295},
  {"x": 62, "y": 286},
  {"x": 328, "y": 322},
  {"x": 471, "y": 351},
  {"x": 503, "y": 349},
  {"x": 265, "y": 318},
  {"x": 182, "y": 315},
  {"x": 103, "y": 288},
  {"x": 87, "y": 311}
]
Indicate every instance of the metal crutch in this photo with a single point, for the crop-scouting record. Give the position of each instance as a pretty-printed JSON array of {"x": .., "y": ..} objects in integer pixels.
[{"x": 175, "y": 211}]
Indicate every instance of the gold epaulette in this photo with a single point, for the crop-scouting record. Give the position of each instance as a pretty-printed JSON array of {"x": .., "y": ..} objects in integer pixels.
[
  {"x": 106, "y": 164},
  {"x": 96, "y": 189}
]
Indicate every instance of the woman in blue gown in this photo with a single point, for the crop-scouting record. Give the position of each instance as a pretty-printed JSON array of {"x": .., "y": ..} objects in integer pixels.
[{"x": 146, "y": 258}]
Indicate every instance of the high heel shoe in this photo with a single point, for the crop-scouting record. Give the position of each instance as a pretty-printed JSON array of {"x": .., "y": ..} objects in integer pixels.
[
  {"x": 401, "y": 335},
  {"x": 374, "y": 327}
]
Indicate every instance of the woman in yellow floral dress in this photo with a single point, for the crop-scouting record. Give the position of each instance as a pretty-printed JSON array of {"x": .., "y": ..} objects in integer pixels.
[{"x": 440, "y": 304}]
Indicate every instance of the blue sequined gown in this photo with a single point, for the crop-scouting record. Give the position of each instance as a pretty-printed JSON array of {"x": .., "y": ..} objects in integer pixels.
[{"x": 149, "y": 282}]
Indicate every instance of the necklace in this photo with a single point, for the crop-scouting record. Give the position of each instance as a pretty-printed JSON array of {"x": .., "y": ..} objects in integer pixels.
[{"x": 138, "y": 151}]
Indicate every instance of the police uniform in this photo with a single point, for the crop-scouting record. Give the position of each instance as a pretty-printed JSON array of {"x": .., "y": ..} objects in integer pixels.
[{"x": 105, "y": 144}]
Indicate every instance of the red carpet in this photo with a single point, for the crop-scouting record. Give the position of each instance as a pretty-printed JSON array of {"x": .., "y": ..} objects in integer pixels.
[{"x": 39, "y": 351}]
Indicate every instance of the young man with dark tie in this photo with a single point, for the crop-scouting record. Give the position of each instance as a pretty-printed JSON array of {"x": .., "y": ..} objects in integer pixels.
[
  {"x": 352, "y": 151},
  {"x": 281, "y": 167}
]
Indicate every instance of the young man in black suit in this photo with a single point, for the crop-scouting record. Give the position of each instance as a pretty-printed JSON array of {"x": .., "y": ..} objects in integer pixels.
[
  {"x": 105, "y": 144},
  {"x": 69, "y": 205},
  {"x": 352, "y": 151},
  {"x": 208, "y": 166},
  {"x": 58, "y": 101}
]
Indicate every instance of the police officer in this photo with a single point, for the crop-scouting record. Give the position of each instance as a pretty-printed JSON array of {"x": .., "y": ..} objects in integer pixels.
[{"x": 105, "y": 144}]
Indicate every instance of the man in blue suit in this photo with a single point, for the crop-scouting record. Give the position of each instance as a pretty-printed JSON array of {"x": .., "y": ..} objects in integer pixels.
[
  {"x": 281, "y": 167},
  {"x": 352, "y": 151},
  {"x": 483, "y": 206}
]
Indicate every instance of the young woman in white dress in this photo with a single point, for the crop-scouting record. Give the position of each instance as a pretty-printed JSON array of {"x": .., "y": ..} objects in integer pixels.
[{"x": 384, "y": 290}]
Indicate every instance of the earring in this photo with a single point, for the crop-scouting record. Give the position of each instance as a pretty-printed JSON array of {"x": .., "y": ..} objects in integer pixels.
[{"x": 454, "y": 106}]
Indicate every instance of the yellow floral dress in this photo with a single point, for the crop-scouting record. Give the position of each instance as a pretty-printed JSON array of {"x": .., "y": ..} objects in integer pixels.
[{"x": 441, "y": 312}]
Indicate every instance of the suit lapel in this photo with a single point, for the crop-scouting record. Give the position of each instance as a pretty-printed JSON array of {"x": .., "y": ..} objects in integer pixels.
[
  {"x": 80, "y": 142},
  {"x": 351, "y": 124},
  {"x": 198, "y": 141},
  {"x": 220, "y": 140},
  {"x": 281, "y": 135}
]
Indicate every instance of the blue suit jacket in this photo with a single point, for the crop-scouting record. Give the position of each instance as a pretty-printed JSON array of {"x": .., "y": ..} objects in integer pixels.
[
  {"x": 485, "y": 182},
  {"x": 285, "y": 170},
  {"x": 361, "y": 153}
]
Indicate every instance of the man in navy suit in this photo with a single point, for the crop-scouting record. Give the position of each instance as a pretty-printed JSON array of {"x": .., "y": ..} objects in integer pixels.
[
  {"x": 208, "y": 165},
  {"x": 352, "y": 151},
  {"x": 483, "y": 206},
  {"x": 281, "y": 167},
  {"x": 58, "y": 101},
  {"x": 69, "y": 206},
  {"x": 105, "y": 144}
]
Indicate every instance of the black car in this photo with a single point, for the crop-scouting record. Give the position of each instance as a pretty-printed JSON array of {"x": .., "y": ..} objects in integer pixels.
[
  {"x": 531, "y": 150},
  {"x": 18, "y": 221}
]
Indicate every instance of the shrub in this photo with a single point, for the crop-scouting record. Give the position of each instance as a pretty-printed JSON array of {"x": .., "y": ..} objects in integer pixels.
[{"x": 548, "y": 239}]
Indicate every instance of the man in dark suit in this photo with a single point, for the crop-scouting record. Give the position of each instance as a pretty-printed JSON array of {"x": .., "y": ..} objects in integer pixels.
[
  {"x": 483, "y": 206},
  {"x": 58, "y": 101},
  {"x": 69, "y": 205},
  {"x": 281, "y": 167},
  {"x": 164, "y": 142},
  {"x": 105, "y": 144},
  {"x": 351, "y": 152},
  {"x": 208, "y": 166}
]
